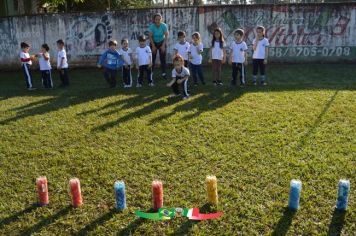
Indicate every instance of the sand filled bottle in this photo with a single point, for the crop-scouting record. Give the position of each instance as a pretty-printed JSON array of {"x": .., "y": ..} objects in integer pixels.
[
  {"x": 76, "y": 193},
  {"x": 157, "y": 194},
  {"x": 42, "y": 188}
]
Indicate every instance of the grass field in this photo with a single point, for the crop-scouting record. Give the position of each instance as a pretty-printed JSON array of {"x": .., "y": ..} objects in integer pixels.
[{"x": 254, "y": 139}]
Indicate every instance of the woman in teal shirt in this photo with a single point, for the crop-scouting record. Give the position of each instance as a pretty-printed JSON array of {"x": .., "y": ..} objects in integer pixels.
[{"x": 158, "y": 34}]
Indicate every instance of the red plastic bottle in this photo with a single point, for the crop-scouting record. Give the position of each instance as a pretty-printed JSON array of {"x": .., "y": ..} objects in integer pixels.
[
  {"x": 75, "y": 190},
  {"x": 42, "y": 188},
  {"x": 157, "y": 194}
]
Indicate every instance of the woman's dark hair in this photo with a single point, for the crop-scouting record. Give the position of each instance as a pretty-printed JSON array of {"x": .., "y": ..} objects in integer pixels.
[
  {"x": 155, "y": 15},
  {"x": 221, "y": 38}
]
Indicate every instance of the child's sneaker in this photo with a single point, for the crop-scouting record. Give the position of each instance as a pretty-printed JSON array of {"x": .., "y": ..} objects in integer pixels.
[
  {"x": 264, "y": 83},
  {"x": 254, "y": 82},
  {"x": 138, "y": 85},
  {"x": 151, "y": 84},
  {"x": 185, "y": 97},
  {"x": 31, "y": 89},
  {"x": 174, "y": 95},
  {"x": 220, "y": 83},
  {"x": 215, "y": 82},
  {"x": 164, "y": 76},
  {"x": 127, "y": 86}
]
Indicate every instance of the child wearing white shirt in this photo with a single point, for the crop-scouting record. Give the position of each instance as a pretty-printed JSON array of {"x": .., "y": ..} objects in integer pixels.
[
  {"x": 182, "y": 47},
  {"x": 217, "y": 55},
  {"x": 195, "y": 52},
  {"x": 144, "y": 61},
  {"x": 260, "y": 55},
  {"x": 127, "y": 56},
  {"x": 62, "y": 63},
  {"x": 238, "y": 58},
  {"x": 45, "y": 66}
]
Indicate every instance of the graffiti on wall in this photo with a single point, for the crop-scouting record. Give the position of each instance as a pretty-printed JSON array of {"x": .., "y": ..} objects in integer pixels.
[
  {"x": 292, "y": 31},
  {"x": 88, "y": 35},
  {"x": 297, "y": 32}
]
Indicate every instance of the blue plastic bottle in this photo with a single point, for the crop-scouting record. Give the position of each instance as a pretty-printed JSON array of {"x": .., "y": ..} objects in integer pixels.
[
  {"x": 343, "y": 194},
  {"x": 294, "y": 194},
  {"x": 120, "y": 194}
]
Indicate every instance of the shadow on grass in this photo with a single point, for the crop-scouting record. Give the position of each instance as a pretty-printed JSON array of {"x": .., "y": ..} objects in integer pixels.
[
  {"x": 131, "y": 228},
  {"x": 90, "y": 87},
  {"x": 16, "y": 216},
  {"x": 317, "y": 121},
  {"x": 187, "y": 225},
  {"x": 100, "y": 221},
  {"x": 337, "y": 222},
  {"x": 284, "y": 223},
  {"x": 49, "y": 220}
]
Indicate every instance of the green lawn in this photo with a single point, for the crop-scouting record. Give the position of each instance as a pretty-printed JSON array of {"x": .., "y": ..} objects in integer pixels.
[{"x": 254, "y": 139}]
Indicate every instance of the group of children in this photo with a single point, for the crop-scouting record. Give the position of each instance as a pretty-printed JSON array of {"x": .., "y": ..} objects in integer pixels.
[
  {"x": 45, "y": 65},
  {"x": 185, "y": 54}
]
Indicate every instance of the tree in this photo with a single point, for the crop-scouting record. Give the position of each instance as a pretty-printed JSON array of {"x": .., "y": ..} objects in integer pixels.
[{"x": 20, "y": 7}]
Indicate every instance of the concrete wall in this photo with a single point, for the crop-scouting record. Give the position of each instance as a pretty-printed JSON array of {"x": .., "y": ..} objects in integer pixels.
[{"x": 298, "y": 33}]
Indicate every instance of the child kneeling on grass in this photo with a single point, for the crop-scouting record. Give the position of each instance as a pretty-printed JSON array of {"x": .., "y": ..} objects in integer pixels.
[{"x": 180, "y": 75}]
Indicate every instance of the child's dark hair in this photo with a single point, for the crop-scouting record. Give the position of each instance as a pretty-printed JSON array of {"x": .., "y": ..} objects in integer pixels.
[
  {"x": 181, "y": 34},
  {"x": 260, "y": 27},
  {"x": 45, "y": 46},
  {"x": 142, "y": 38},
  {"x": 178, "y": 58},
  {"x": 112, "y": 43},
  {"x": 60, "y": 41},
  {"x": 197, "y": 35},
  {"x": 221, "y": 38},
  {"x": 239, "y": 32},
  {"x": 124, "y": 40},
  {"x": 24, "y": 45}
]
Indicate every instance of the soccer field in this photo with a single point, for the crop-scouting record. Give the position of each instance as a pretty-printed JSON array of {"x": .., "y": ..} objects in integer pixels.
[{"x": 254, "y": 139}]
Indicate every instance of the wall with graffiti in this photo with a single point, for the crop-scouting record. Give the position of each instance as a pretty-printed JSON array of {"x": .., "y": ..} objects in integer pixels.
[{"x": 297, "y": 33}]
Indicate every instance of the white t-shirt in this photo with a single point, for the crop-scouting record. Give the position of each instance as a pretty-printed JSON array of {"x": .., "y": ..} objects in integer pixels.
[
  {"x": 238, "y": 51},
  {"x": 196, "y": 57},
  {"x": 182, "y": 74},
  {"x": 182, "y": 49},
  {"x": 260, "y": 52},
  {"x": 126, "y": 55},
  {"x": 217, "y": 52},
  {"x": 24, "y": 55},
  {"x": 143, "y": 55},
  {"x": 44, "y": 64},
  {"x": 62, "y": 54}
]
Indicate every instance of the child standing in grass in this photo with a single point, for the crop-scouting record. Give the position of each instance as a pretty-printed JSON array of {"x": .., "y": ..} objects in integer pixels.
[
  {"x": 217, "y": 55},
  {"x": 182, "y": 47},
  {"x": 260, "y": 55},
  {"x": 62, "y": 63},
  {"x": 45, "y": 66},
  {"x": 26, "y": 62},
  {"x": 111, "y": 59},
  {"x": 127, "y": 56},
  {"x": 195, "y": 52},
  {"x": 238, "y": 58},
  {"x": 144, "y": 61},
  {"x": 180, "y": 75}
]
